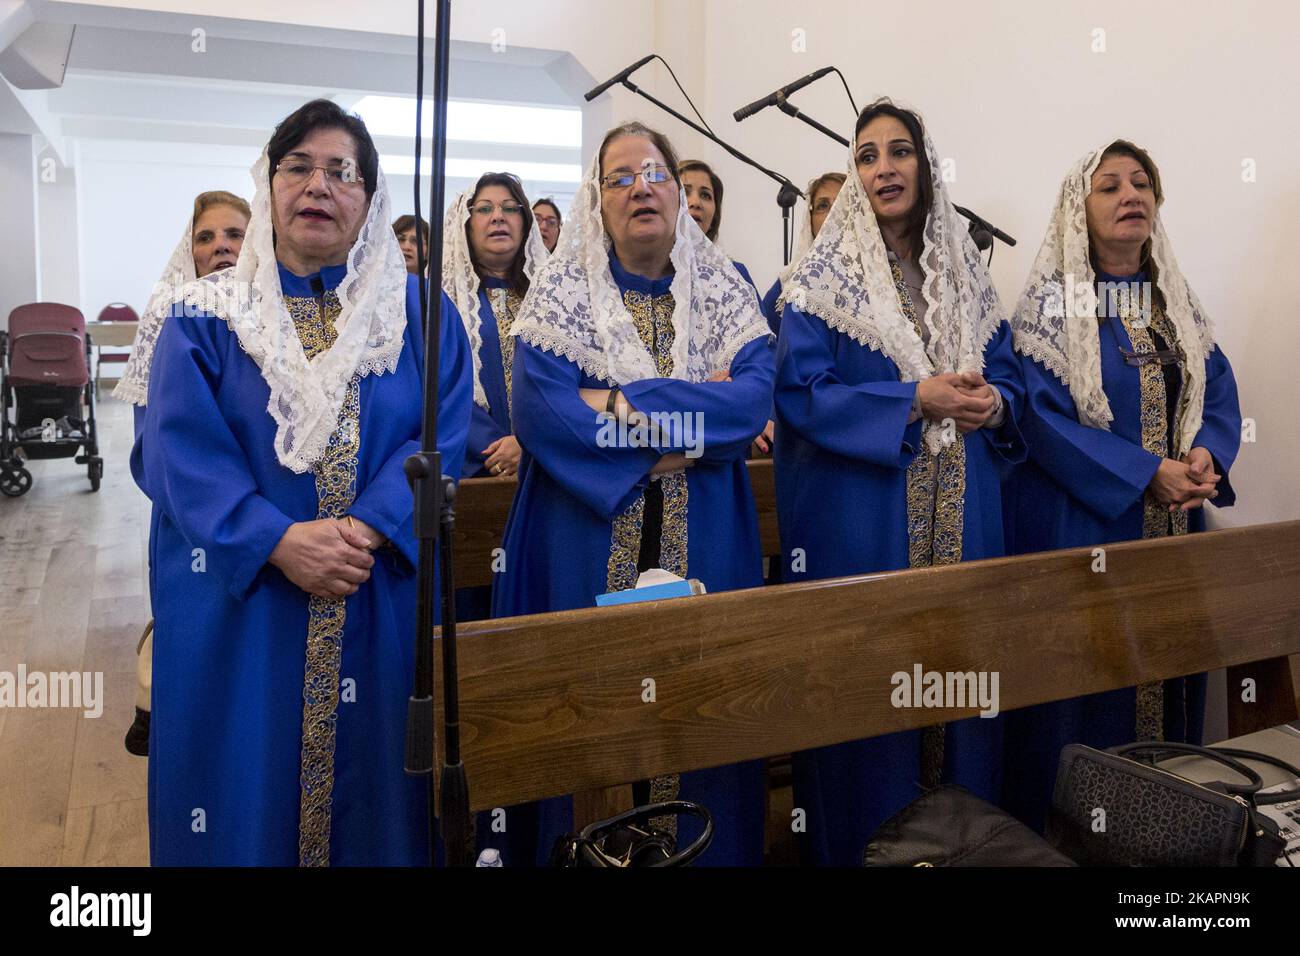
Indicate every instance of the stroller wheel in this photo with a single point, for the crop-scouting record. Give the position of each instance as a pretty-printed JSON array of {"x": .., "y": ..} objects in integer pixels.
[
  {"x": 16, "y": 482},
  {"x": 95, "y": 472}
]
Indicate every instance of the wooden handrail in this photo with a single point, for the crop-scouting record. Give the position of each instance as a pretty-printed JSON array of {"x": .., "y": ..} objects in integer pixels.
[{"x": 557, "y": 703}]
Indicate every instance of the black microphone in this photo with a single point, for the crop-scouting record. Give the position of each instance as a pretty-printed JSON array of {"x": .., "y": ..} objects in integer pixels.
[
  {"x": 618, "y": 77},
  {"x": 980, "y": 224},
  {"x": 773, "y": 98}
]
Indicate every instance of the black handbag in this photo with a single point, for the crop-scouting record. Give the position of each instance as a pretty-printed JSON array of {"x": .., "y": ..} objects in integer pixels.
[
  {"x": 1109, "y": 809},
  {"x": 949, "y": 826},
  {"x": 633, "y": 839}
]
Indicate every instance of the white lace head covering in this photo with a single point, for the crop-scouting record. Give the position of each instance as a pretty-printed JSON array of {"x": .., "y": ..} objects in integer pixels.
[
  {"x": 306, "y": 396},
  {"x": 804, "y": 239},
  {"x": 846, "y": 281},
  {"x": 461, "y": 282},
  {"x": 1056, "y": 320},
  {"x": 133, "y": 386},
  {"x": 574, "y": 308}
]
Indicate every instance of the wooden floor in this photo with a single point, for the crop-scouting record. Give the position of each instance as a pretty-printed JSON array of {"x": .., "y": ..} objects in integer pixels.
[{"x": 73, "y": 597}]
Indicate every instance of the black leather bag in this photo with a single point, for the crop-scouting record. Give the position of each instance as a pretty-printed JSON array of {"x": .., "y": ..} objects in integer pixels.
[
  {"x": 1109, "y": 809},
  {"x": 949, "y": 826}
]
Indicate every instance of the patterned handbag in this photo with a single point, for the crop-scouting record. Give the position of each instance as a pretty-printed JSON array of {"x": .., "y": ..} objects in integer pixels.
[{"x": 1111, "y": 810}]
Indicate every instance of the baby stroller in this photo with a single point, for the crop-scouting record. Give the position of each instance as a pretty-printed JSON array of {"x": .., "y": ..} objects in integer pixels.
[{"x": 47, "y": 403}]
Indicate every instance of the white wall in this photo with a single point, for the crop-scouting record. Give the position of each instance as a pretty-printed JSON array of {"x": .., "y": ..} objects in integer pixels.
[
  {"x": 134, "y": 199},
  {"x": 1013, "y": 92},
  {"x": 56, "y": 197},
  {"x": 19, "y": 264}
]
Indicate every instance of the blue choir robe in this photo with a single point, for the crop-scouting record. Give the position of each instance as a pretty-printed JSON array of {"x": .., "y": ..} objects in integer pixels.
[
  {"x": 744, "y": 274},
  {"x": 770, "y": 311},
  {"x": 572, "y": 495},
  {"x": 226, "y": 748},
  {"x": 487, "y": 425},
  {"x": 842, "y": 451},
  {"x": 1083, "y": 487}
]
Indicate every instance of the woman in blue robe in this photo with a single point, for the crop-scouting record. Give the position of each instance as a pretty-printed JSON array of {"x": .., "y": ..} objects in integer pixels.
[
  {"x": 490, "y": 251},
  {"x": 284, "y": 554},
  {"x": 897, "y": 393},
  {"x": 604, "y": 334},
  {"x": 820, "y": 197},
  {"x": 210, "y": 241},
  {"x": 1142, "y": 435}
]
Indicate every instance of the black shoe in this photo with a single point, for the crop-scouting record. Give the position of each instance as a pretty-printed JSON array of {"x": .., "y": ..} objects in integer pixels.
[{"x": 137, "y": 738}]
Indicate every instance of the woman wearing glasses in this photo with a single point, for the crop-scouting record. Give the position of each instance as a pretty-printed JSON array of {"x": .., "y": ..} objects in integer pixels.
[
  {"x": 637, "y": 313},
  {"x": 1132, "y": 423},
  {"x": 549, "y": 222},
  {"x": 821, "y": 196},
  {"x": 897, "y": 393},
  {"x": 283, "y": 400},
  {"x": 490, "y": 249}
]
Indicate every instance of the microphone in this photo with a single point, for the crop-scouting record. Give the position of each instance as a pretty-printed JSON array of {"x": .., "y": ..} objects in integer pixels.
[
  {"x": 982, "y": 229},
  {"x": 773, "y": 98},
  {"x": 618, "y": 78}
]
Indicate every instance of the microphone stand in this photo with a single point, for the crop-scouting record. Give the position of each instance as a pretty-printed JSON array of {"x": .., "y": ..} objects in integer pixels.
[
  {"x": 786, "y": 196},
  {"x": 789, "y": 109},
  {"x": 985, "y": 231},
  {"x": 434, "y": 493}
]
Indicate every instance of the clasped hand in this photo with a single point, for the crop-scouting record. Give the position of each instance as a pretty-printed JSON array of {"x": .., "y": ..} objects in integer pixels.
[
  {"x": 966, "y": 398},
  {"x": 329, "y": 557},
  {"x": 1186, "y": 484}
]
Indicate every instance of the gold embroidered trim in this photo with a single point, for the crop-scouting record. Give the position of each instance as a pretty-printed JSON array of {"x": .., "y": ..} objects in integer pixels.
[
  {"x": 336, "y": 482},
  {"x": 505, "y": 306},
  {"x": 653, "y": 318},
  {"x": 936, "y": 517},
  {"x": 625, "y": 548},
  {"x": 1157, "y": 520},
  {"x": 672, "y": 542}
]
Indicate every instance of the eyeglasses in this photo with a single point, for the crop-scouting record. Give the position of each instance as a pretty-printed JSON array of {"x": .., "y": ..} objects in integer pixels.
[
  {"x": 547, "y": 221},
  {"x": 653, "y": 176},
  {"x": 507, "y": 208},
  {"x": 295, "y": 172}
]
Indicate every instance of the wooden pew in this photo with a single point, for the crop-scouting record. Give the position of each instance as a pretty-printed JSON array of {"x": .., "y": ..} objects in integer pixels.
[
  {"x": 482, "y": 505},
  {"x": 553, "y": 703}
]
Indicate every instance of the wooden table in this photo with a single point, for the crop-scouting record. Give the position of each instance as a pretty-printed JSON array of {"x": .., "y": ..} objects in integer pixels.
[{"x": 118, "y": 335}]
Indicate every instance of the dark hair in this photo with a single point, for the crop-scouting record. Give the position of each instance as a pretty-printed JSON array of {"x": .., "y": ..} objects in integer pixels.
[
  {"x": 516, "y": 278},
  {"x": 1122, "y": 147},
  {"x": 406, "y": 223},
  {"x": 914, "y": 230},
  {"x": 635, "y": 128},
  {"x": 324, "y": 114},
  {"x": 697, "y": 165},
  {"x": 550, "y": 202}
]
